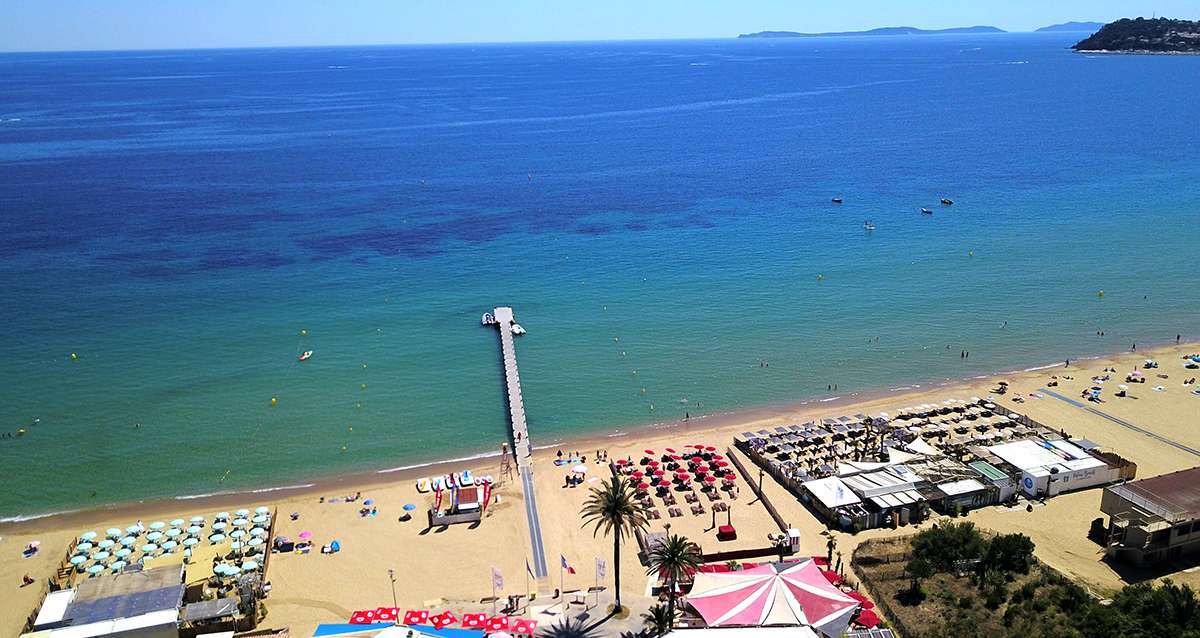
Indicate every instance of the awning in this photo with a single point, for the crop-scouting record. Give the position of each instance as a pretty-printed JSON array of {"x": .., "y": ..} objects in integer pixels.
[{"x": 210, "y": 609}]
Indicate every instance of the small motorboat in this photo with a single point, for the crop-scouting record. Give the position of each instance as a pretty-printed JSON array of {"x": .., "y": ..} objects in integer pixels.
[
  {"x": 306, "y": 355},
  {"x": 947, "y": 202},
  {"x": 517, "y": 329},
  {"x": 926, "y": 211},
  {"x": 487, "y": 319},
  {"x": 868, "y": 225},
  {"x": 836, "y": 200}
]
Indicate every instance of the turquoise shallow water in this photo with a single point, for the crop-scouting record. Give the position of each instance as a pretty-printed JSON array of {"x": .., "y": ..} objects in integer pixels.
[{"x": 657, "y": 212}]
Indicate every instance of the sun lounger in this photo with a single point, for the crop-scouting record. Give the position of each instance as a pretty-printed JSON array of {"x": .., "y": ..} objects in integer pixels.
[{"x": 675, "y": 512}]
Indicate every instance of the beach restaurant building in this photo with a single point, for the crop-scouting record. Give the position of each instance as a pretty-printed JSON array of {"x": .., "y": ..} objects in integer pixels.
[
  {"x": 1047, "y": 468},
  {"x": 1154, "y": 519}
]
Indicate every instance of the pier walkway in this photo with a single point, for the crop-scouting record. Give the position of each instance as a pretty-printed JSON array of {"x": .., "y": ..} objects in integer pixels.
[{"x": 522, "y": 448}]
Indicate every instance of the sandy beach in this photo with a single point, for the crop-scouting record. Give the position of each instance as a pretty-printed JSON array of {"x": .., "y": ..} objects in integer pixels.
[{"x": 451, "y": 569}]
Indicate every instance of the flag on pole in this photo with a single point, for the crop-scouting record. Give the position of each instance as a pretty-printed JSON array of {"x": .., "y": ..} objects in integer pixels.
[
  {"x": 566, "y": 565},
  {"x": 529, "y": 569},
  {"x": 497, "y": 578},
  {"x": 600, "y": 567}
]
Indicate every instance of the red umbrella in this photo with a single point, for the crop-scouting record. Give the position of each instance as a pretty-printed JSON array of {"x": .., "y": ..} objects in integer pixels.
[
  {"x": 697, "y": 459},
  {"x": 643, "y": 486},
  {"x": 720, "y": 463},
  {"x": 699, "y": 446},
  {"x": 650, "y": 452},
  {"x": 867, "y": 618},
  {"x": 718, "y": 457},
  {"x": 710, "y": 479},
  {"x": 416, "y": 617},
  {"x": 473, "y": 621},
  {"x": 496, "y": 623},
  {"x": 524, "y": 626},
  {"x": 676, "y": 457},
  {"x": 638, "y": 474},
  {"x": 659, "y": 472},
  {"x": 664, "y": 483},
  {"x": 710, "y": 449},
  {"x": 701, "y": 469},
  {"x": 443, "y": 619},
  {"x": 729, "y": 478},
  {"x": 653, "y": 464},
  {"x": 622, "y": 462},
  {"x": 670, "y": 450},
  {"x": 683, "y": 476}
]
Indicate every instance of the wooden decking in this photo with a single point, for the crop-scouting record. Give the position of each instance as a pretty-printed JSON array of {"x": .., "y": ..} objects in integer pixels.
[{"x": 522, "y": 448}]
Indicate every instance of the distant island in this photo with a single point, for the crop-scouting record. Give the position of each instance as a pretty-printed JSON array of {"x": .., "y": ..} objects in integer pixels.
[
  {"x": 1161, "y": 35},
  {"x": 1090, "y": 27},
  {"x": 879, "y": 31}
]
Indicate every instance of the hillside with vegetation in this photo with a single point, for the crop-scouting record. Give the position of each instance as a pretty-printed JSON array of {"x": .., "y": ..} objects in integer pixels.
[
  {"x": 1161, "y": 35},
  {"x": 952, "y": 580}
]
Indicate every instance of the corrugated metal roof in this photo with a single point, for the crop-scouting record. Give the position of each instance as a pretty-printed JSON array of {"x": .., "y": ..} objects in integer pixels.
[{"x": 1176, "y": 494}]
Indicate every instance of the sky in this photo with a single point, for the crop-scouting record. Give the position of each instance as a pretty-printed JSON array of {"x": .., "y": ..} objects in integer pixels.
[{"x": 56, "y": 25}]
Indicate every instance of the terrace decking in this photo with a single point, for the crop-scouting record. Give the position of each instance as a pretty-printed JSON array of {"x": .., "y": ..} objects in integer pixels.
[{"x": 522, "y": 448}]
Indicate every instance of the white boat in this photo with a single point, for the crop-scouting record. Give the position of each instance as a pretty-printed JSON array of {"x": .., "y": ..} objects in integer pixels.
[
  {"x": 867, "y": 225},
  {"x": 487, "y": 319},
  {"x": 306, "y": 355},
  {"x": 926, "y": 211},
  {"x": 517, "y": 329}
]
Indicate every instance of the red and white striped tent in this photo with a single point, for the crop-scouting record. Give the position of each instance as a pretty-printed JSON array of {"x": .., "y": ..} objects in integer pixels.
[{"x": 776, "y": 594}]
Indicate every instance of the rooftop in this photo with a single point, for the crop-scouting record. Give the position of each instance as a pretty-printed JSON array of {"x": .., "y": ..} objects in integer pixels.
[{"x": 1175, "y": 496}]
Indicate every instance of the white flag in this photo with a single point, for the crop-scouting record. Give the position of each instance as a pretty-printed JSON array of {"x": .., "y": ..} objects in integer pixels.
[
  {"x": 497, "y": 578},
  {"x": 600, "y": 567}
]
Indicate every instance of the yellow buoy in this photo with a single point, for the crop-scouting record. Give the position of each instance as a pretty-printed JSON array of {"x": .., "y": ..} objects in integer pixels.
[
  {"x": 358, "y": 405},
  {"x": 303, "y": 332},
  {"x": 274, "y": 401},
  {"x": 74, "y": 356},
  {"x": 364, "y": 365},
  {"x": 364, "y": 386},
  {"x": 350, "y": 429},
  {"x": 343, "y": 449}
]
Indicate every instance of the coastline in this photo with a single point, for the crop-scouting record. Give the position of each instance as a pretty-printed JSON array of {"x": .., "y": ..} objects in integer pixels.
[
  {"x": 366, "y": 479},
  {"x": 1134, "y": 52}
]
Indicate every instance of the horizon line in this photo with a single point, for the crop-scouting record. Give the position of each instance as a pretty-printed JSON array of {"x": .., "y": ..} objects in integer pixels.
[{"x": 252, "y": 47}]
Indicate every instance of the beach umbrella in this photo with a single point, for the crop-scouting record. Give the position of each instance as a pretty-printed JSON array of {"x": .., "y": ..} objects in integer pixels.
[
  {"x": 622, "y": 462},
  {"x": 195, "y": 529},
  {"x": 87, "y": 536},
  {"x": 305, "y": 535},
  {"x": 117, "y": 566},
  {"x": 369, "y": 501},
  {"x": 173, "y": 532},
  {"x": 99, "y": 556},
  {"x": 255, "y": 542},
  {"x": 259, "y": 520},
  {"x": 729, "y": 478},
  {"x": 220, "y": 526},
  {"x": 106, "y": 543},
  {"x": 149, "y": 548},
  {"x": 408, "y": 507},
  {"x": 643, "y": 486},
  {"x": 177, "y": 522},
  {"x": 170, "y": 545},
  {"x": 154, "y": 537},
  {"x": 216, "y": 538},
  {"x": 262, "y": 510},
  {"x": 580, "y": 469},
  {"x": 664, "y": 483},
  {"x": 638, "y": 475},
  {"x": 242, "y": 512},
  {"x": 697, "y": 459},
  {"x": 249, "y": 566},
  {"x": 670, "y": 450},
  {"x": 235, "y": 546},
  {"x": 258, "y": 531},
  {"x": 710, "y": 479},
  {"x": 82, "y": 547},
  {"x": 113, "y": 532},
  {"x": 241, "y": 522},
  {"x": 95, "y": 569},
  {"x": 659, "y": 473},
  {"x": 222, "y": 515},
  {"x": 123, "y": 552},
  {"x": 197, "y": 519},
  {"x": 709, "y": 448},
  {"x": 188, "y": 542},
  {"x": 157, "y": 525},
  {"x": 683, "y": 476},
  {"x": 237, "y": 533},
  {"x": 78, "y": 560},
  {"x": 649, "y": 452},
  {"x": 133, "y": 529}
]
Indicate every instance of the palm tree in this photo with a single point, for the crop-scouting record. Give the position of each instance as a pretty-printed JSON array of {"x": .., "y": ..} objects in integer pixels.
[
  {"x": 568, "y": 628},
  {"x": 672, "y": 560},
  {"x": 658, "y": 620},
  {"x": 613, "y": 509}
]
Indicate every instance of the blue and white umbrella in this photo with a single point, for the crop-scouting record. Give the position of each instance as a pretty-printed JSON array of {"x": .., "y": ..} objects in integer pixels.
[
  {"x": 242, "y": 512},
  {"x": 258, "y": 531},
  {"x": 197, "y": 519},
  {"x": 237, "y": 533},
  {"x": 133, "y": 529},
  {"x": 216, "y": 538},
  {"x": 259, "y": 520},
  {"x": 124, "y": 553},
  {"x": 173, "y": 532},
  {"x": 220, "y": 525},
  {"x": 262, "y": 510},
  {"x": 157, "y": 525},
  {"x": 78, "y": 559},
  {"x": 153, "y": 537},
  {"x": 99, "y": 556},
  {"x": 128, "y": 541},
  {"x": 106, "y": 543},
  {"x": 117, "y": 566},
  {"x": 188, "y": 542},
  {"x": 240, "y": 522},
  {"x": 95, "y": 569},
  {"x": 249, "y": 566},
  {"x": 195, "y": 529},
  {"x": 169, "y": 545},
  {"x": 177, "y": 522},
  {"x": 222, "y": 516},
  {"x": 87, "y": 536},
  {"x": 255, "y": 542},
  {"x": 113, "y": 532},
  {"x": 82, "y": 548},
  {"x": 149, "y": 548}
]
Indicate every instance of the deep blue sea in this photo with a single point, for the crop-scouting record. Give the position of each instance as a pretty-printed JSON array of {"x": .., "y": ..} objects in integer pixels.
[{"x": 658, "y": 213}]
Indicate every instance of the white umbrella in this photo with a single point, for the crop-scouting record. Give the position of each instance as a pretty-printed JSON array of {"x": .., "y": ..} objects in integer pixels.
[{"x": 580, "y": 469}]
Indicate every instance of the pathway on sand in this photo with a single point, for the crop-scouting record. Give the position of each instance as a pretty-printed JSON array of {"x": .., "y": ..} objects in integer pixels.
[
  {"x": 522, "y": 448},
  {"x": 1122, "y": 422}
]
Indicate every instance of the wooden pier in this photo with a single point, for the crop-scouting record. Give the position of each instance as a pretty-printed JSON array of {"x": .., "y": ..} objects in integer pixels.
[{"x": 522, "y": 448}]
